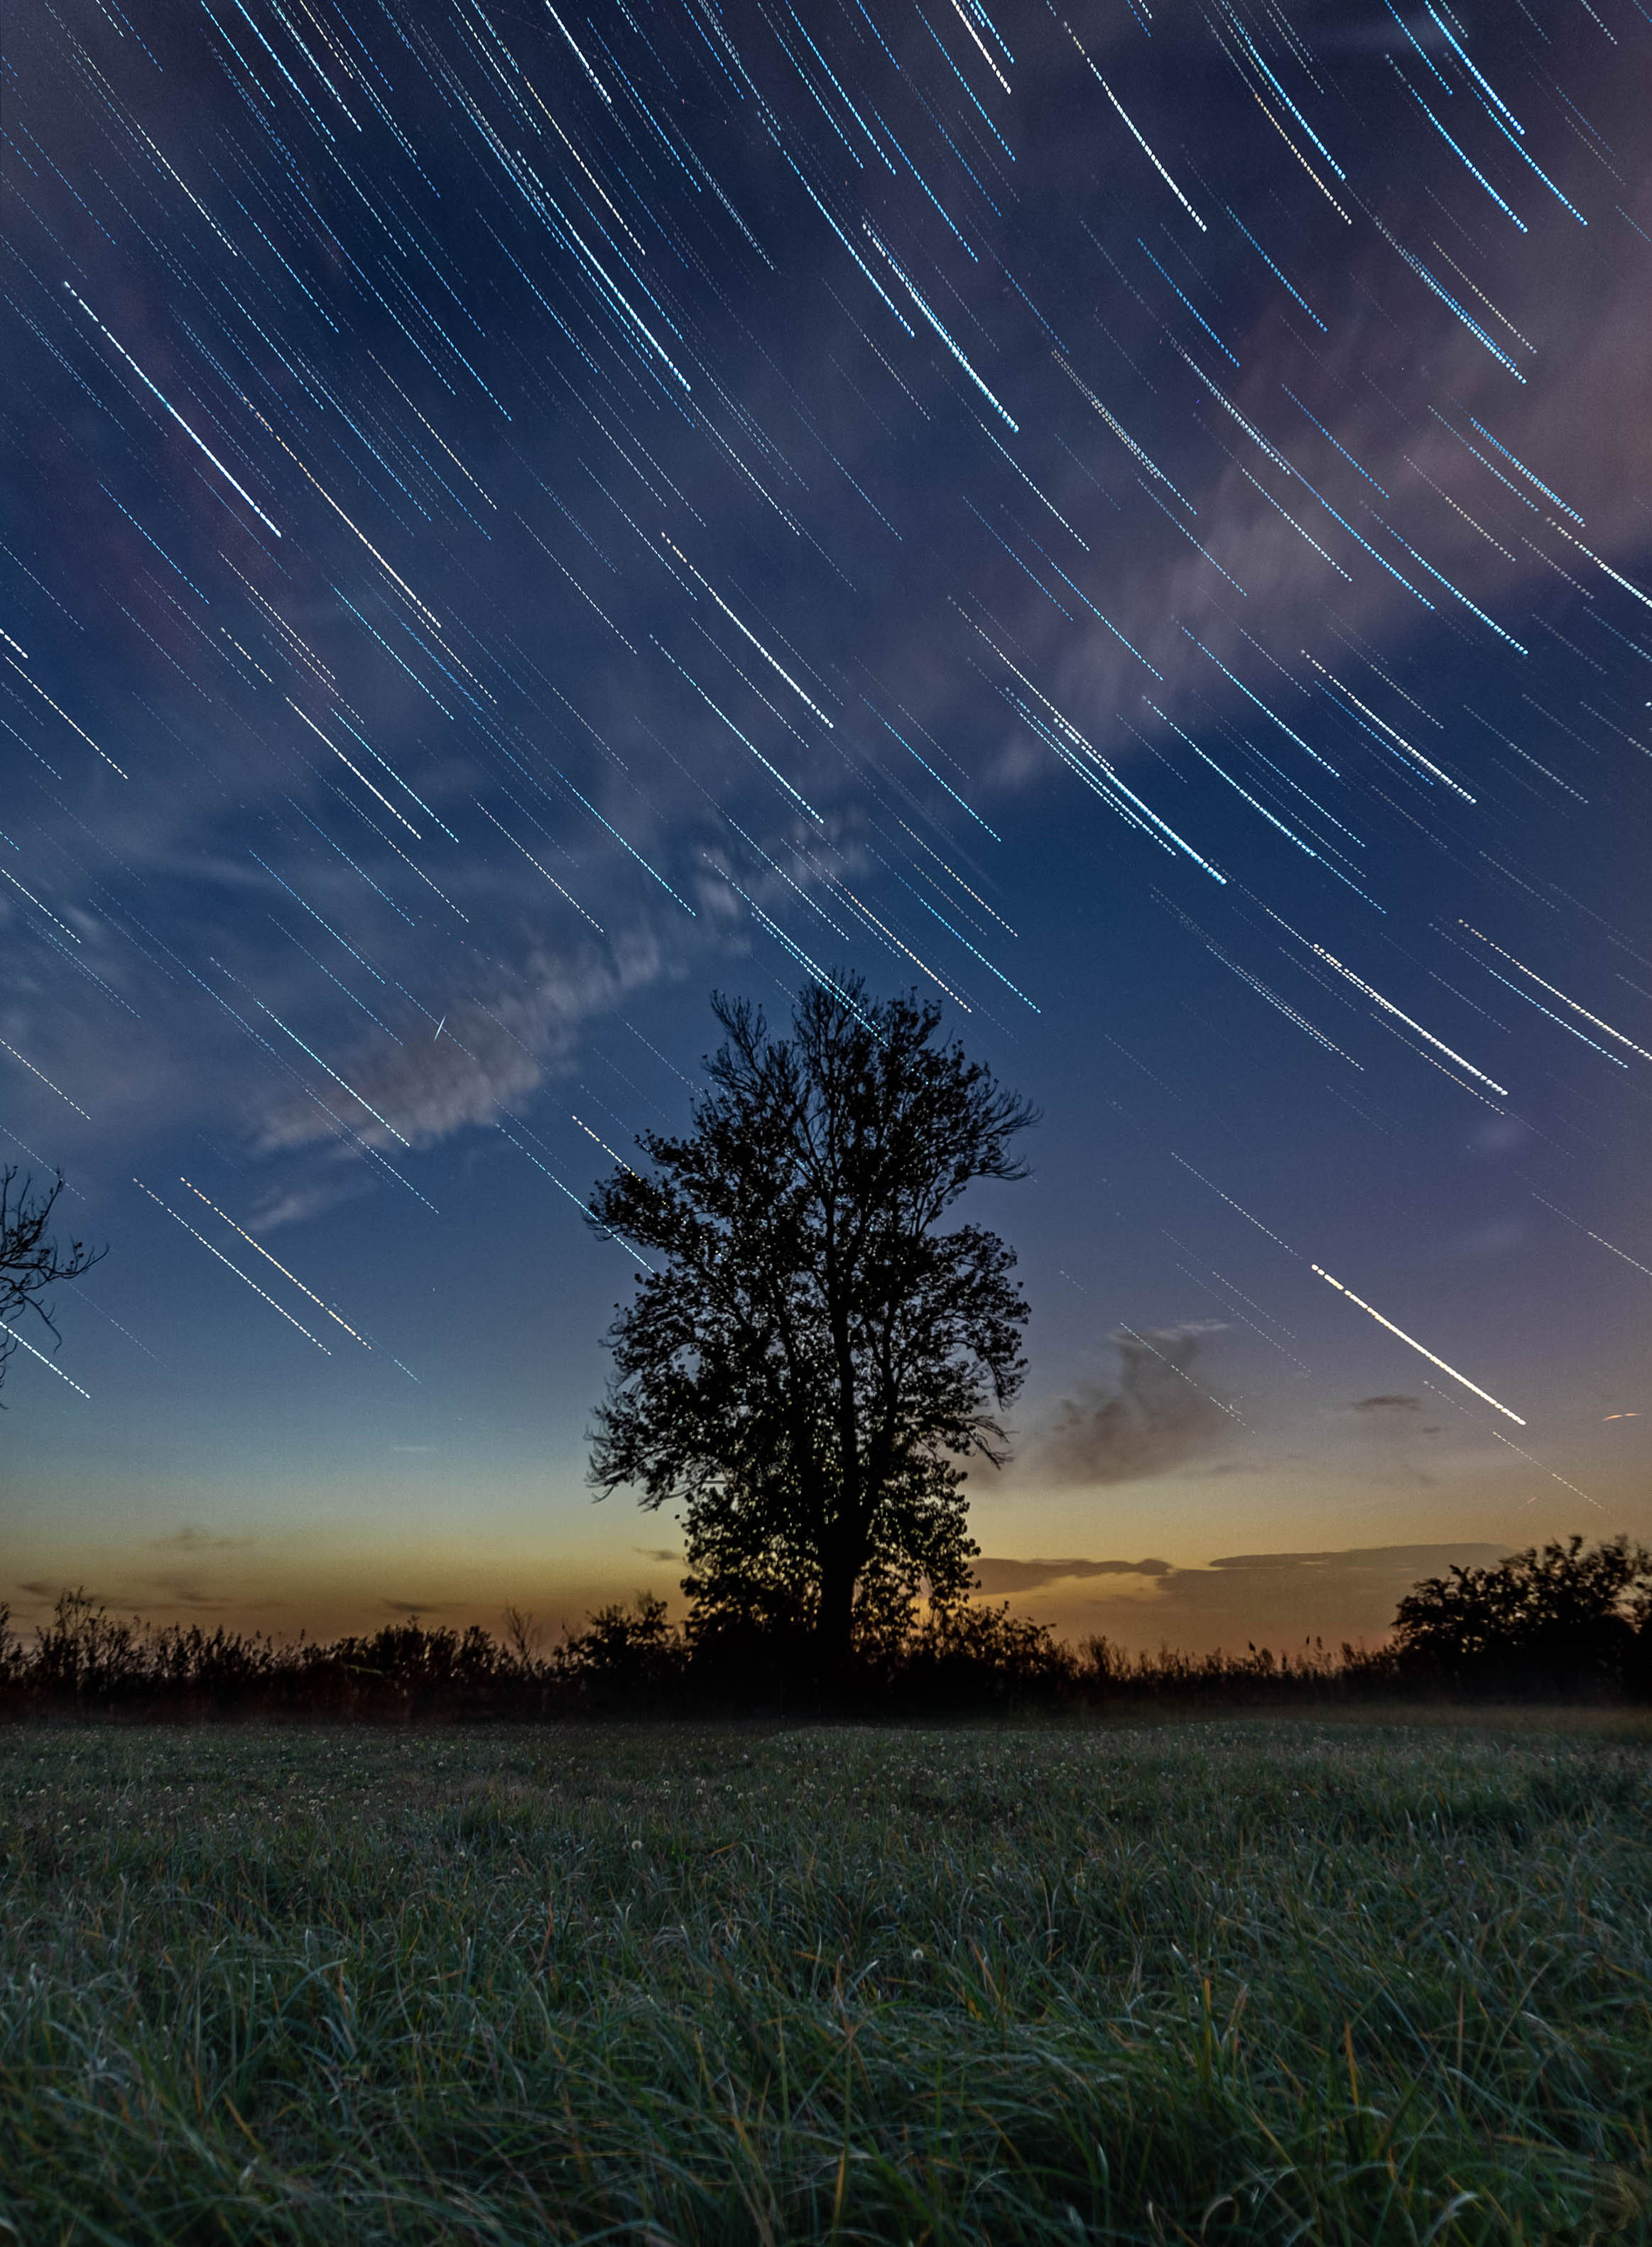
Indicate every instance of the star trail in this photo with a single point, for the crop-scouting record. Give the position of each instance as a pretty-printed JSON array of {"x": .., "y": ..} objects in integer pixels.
[{"x": 519, "y": 515}]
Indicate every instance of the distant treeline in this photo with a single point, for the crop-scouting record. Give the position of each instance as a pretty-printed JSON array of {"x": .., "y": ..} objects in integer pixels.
[{"x": 1563, "y": 1622}]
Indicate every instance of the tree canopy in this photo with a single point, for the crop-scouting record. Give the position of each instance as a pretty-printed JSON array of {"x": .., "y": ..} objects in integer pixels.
[
  {"x": 814, "y": 1356},
  {"x": 1564, "y": 1613}
]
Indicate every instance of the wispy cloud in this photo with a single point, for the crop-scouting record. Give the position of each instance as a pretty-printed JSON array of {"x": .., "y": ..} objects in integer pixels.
[
  {"x": 486, "y": 1053},
  {"x": 1407, "y": 416},
  {"x": 993, "y": 1576},
  {"x": 1158, "y": 1414}
]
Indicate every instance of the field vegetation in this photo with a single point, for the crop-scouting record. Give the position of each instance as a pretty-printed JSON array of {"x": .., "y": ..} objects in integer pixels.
[
  {"x": 631, "y": 1658},
  {"x": 1317, "y": 1978}
]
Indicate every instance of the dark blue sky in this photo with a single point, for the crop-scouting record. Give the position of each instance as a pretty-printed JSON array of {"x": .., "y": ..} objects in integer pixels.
[{"x": 1139, "y": 524}]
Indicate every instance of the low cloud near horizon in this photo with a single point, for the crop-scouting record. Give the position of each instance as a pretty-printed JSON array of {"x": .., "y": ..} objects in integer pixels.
[
  {"x": 1272, "y": 1599},
  {"x": 996, "y": 1576}
]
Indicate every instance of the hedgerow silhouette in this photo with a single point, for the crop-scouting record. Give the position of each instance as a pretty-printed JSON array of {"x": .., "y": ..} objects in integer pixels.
[{"x": 1564, "y": 1622}]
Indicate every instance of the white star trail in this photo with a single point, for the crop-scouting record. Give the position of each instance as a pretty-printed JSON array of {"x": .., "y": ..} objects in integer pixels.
[
  {"x": 518, "y": 521},
  {"x": 1410, "y": 1343}
]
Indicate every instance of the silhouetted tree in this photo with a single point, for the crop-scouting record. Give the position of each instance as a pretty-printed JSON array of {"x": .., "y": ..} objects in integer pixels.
[
  {"x": 30, "y": 1259},
  {"x": 1559, "y": 1617},
  {"x": 817, "y": 1355},
  {"x": 626, "y": 1654}
]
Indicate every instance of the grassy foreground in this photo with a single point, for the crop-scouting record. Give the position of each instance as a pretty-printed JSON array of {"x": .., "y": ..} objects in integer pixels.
[{"x": 1268, "y": 1980}]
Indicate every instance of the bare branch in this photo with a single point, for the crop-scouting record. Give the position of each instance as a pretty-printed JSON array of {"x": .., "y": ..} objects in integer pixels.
[{"x": 32, "y": 1260}]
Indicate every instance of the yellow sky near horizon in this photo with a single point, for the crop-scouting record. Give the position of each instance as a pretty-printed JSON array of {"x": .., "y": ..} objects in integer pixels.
[{"x": 1194, "y": 1562}]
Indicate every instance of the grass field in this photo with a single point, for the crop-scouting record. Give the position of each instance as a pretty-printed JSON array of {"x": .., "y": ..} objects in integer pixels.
[{"x": 1252, "y": 1980}]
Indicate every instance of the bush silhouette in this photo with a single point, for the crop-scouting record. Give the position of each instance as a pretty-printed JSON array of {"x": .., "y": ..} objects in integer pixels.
[{"x": 1563, "y": 1618}]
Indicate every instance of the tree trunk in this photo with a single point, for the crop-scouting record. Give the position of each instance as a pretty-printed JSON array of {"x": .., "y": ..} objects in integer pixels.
[{"x": 835, "y": 1624}]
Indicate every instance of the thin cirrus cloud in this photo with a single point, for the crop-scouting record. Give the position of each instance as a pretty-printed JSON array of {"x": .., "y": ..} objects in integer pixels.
[
  {"x": 497, "y": 1050},
  {"x": 1576, "y": 323}
]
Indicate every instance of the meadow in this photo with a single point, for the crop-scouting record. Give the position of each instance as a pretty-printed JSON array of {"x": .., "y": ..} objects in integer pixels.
[{"x": 1293, "y": 1978}]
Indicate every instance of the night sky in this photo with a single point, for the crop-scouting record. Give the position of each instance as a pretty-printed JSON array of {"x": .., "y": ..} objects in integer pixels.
[{"x": 1136, "y": 523}]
